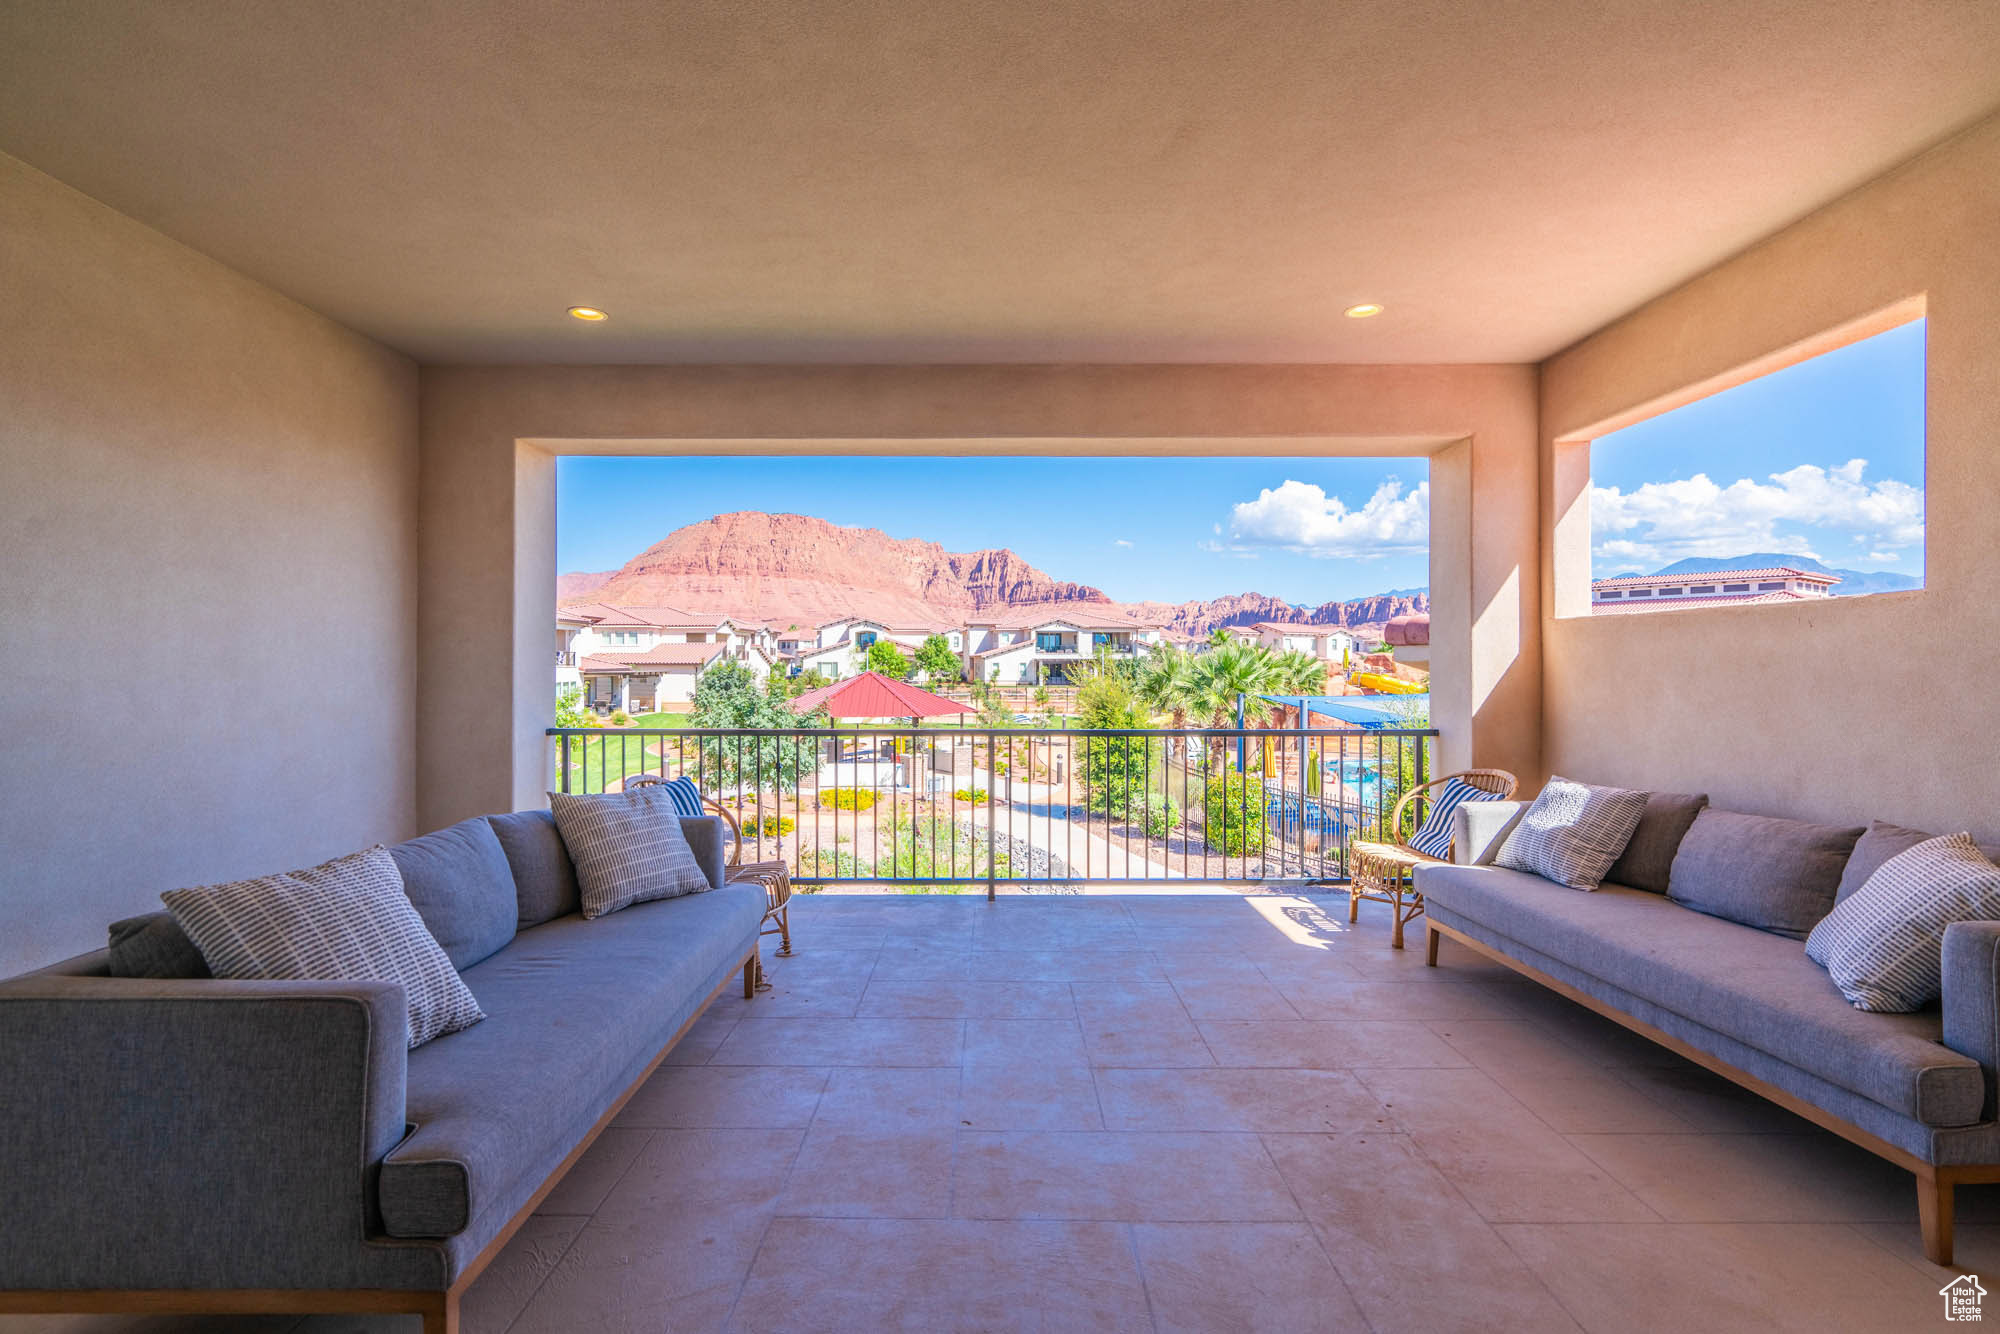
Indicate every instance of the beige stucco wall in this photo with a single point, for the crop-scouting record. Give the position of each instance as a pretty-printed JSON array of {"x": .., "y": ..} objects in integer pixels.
[
  {"x": 490, "y": 436},
  {"x": 1848, "y": 709},
  {"x": 207, "y": 575}
]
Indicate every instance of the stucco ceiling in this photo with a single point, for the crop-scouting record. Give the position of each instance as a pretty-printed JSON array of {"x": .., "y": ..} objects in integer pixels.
[{"x": 979, "y": 180}]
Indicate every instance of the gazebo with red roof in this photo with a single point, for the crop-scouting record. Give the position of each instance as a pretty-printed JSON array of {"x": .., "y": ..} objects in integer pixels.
[{"x": 873, "y": 695}]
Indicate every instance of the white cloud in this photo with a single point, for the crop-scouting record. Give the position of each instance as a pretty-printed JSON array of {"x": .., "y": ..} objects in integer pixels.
[
  {"x": 1120, "y": 542},
  {"x": 1302, "y": 517},
  {"x": 1663, "y": 521},
  {"x": 1885, "y": 556}
]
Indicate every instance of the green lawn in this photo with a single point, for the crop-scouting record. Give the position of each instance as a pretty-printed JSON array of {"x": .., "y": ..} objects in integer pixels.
[{"x": 597, "y": 760}]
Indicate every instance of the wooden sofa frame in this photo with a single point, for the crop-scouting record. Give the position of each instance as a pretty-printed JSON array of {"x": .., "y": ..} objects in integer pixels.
[
  {"x": 1937, "y": 1184},
  {"x": 439, "y": 1310}
]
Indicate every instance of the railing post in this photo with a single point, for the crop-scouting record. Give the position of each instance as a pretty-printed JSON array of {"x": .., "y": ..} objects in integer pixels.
[
  {"x": 565, "y": 762},
  {"x": 992, "y": 800}
]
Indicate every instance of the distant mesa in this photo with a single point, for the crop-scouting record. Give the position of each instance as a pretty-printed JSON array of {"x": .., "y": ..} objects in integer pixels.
[{"x": 792, "y": 569}]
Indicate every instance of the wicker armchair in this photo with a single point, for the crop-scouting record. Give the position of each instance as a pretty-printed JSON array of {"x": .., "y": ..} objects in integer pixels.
[
  {"x": 774, "y": 876},
  {"x": 1383, "y": 872}
]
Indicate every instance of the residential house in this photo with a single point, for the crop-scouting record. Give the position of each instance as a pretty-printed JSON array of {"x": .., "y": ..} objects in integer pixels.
[
  {"x": 843, "y": 643},
  {"x": 648, "y": 659},
  {"x": 1029, "y": 647},
  {"x": 1713, "y": 588},
  {"x": 1329, "y": 643},
  {"x": 570, "y": 623}
]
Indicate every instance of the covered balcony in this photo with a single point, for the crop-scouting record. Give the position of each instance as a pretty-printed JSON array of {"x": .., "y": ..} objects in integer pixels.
[{"x": 299, "y": 306}]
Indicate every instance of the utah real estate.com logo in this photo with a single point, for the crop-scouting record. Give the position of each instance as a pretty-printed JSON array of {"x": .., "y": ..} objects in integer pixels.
[{"x": 1961, "y": 1298}]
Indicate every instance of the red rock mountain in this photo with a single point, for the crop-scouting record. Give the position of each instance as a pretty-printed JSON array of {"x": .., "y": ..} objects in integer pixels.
[{"x": 789, "y": 569}]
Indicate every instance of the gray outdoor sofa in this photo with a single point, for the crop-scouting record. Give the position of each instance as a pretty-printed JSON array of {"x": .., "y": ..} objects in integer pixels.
[
  {"x": 183, "y": 1144},
  {"x": 1918, "y": 1089}
]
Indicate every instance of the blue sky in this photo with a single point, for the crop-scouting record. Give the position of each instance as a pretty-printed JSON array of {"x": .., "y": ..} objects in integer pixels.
[
  {"x": 1173, "y": 529},
  {"x": 1825, "y": 459}
]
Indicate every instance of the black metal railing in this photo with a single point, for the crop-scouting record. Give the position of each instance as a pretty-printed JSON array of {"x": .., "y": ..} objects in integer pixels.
[{"x": 1027, "y": 808}]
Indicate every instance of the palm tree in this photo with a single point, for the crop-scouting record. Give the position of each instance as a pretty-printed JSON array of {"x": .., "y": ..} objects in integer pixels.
[
  {"x": 1230, "y": 673},
  {"x": 1299, "y": 673},
  {"x": 1167, "y": 683},
  {"x": 1224, "y": 673}
]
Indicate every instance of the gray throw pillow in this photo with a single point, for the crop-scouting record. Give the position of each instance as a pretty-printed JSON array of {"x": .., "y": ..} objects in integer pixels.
[
  {"x": 1648, "y": 859},
  {"x": 1773, "y": 874},
  {"x": 628, "y": 848},
  {"x": 1878, "y": 844},
  {"x": 1883, "y": 946},
  {"x": 544, "y": 877},
  {"x": 153, "y": 945},
  {"x": 1573, "y": 832},
  {"x": 347, "y": 920},
  {"x": 462, "y": 886}
]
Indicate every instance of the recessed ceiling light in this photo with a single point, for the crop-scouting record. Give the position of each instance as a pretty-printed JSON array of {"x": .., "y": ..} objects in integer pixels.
[
  {"x": 591, "y": 313},
  {"x": 1362, "y": 311}
]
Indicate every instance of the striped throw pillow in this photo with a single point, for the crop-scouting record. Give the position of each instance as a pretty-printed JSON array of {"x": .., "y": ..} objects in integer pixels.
[
  {"x": 685, "y": 796},
  {"x": 345, "y": 921},
  {"x": 627, "y": 846},
  {"x": 1433, "y": 839},
  {"x": 1573, "y": 832},
  {"x": 1883, "y": 945}
]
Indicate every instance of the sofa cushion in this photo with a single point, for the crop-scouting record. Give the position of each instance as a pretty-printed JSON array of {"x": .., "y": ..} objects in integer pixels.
[
  {"x": 1649, "y": 858},
  {"x": 544, "y": 876},
  {"x": 1754, "y": 987},
  {"x": 1572, "y": 832},
  {"x": 577, "y": 1009},
  {"x": 1776, "y": 875},
  {"x": 1881, "y": 841},
  {"x": 463, "y": 888},
  {"x": 152, "y": 945},
  {"x": 1883, "y": 946}
]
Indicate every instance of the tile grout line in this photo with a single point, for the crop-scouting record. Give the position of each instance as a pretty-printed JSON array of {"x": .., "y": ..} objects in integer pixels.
[
  {"x": 588, "y": 1219},
  {"x": 1312, "y": 1228},
  {"x": 763, "y": 1236},
  {"x": 1096, "y": 1090},
  {"x": 1139, "y": 1267}
]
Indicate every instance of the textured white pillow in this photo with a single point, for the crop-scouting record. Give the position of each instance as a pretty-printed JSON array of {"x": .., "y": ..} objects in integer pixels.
[
  {"x": 1883, "y": 945},
  {"x": 1573, "y": 832},
  {"x": 347, "y": 920},
  {"x": 628, "y": 847}
]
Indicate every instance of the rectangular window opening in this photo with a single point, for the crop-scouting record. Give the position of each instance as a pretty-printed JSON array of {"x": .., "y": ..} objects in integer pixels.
[{"x": 1802, "y": 484}]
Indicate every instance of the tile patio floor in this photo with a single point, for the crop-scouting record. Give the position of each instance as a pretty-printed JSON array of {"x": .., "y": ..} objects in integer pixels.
[{"x": 1180, "y": 1113}]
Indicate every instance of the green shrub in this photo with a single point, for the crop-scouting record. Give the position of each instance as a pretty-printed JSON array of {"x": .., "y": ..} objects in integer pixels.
[
  {"x": 620, "y": 718},
  {"x": 848, "y": 799},
  {"x": 1233, "y": 814},
  {"x": 1162, "y": 818},
  {"x": 971, "y": 794},
  {"x": 834, "y": 863}
]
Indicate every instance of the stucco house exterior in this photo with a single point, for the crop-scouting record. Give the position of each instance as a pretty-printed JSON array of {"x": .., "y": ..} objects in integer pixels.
[
  {"x": 1018, "y": 648},
  {"x": 646, "y": 659},
  {"x": 1663, "y": 592},
  {"x": 1328, "y": 643}
]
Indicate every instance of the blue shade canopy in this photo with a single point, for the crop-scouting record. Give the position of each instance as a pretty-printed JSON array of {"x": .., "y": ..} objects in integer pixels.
[{"x": 1386, "y": 711}]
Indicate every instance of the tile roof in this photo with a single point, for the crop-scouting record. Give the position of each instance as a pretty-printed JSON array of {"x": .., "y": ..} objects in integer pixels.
[
  {"x": 610, "y": 617},
  {"x": 672, "y": 655},
  {"x": 1713, "y": 577}
]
